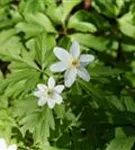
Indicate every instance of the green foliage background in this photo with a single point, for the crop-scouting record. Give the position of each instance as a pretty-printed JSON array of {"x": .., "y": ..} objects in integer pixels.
[{"x": 99, "y": 115}]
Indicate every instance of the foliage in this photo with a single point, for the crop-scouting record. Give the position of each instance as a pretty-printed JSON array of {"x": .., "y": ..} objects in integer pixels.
[{"x": 95, "y": 115}]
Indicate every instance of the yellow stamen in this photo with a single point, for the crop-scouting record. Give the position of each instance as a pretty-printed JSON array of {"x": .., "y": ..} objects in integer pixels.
[{"x": 74, "y": 63}]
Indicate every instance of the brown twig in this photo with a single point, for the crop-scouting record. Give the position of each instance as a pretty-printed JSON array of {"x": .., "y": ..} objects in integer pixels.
[{"x": 87, "y": 4}]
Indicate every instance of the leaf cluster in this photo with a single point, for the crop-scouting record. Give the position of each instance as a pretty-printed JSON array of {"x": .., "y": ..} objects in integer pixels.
[{"x": 98, "y": 115}]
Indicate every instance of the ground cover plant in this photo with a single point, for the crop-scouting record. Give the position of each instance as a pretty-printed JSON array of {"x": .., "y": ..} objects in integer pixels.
[{"x": 67, "y": 79}]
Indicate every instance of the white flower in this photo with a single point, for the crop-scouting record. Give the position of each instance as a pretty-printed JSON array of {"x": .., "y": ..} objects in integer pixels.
[
  {"x": 73, "y": 63},
  {"x": 3, "y": 145},
  {"x": 49, "y": 94}
]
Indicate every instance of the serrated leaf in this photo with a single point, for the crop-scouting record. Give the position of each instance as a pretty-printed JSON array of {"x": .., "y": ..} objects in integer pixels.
[
  {"x": 101, "y": 70},
  {"x": 129, "y": 103},
  {"x": 121, "y": 144},
  {"x": 35, "y": 24},
  {"x": 60, "y": 111},
  {"x": 126, "y": 25},
  {"x": 91, "y": 41},
  {"x": 42, "y": 46},
  {"x": 80, "y": 21},
  {"x": 67, "y": 7},
  {"x": 31, "y": 6},
  {"x": 38, "y": 122}
]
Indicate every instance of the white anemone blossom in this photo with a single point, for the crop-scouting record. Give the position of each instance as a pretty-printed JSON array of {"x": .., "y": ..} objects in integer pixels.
[
  {"x": 72, "y": 63},
  {"x": 49, "y": 94},
  {"x": 3, "y": 145}
]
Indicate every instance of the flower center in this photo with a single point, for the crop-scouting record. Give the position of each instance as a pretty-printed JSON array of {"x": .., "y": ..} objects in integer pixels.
[
  {"x": 75, "y": 63},
  {"x": 50, "y": 93}
]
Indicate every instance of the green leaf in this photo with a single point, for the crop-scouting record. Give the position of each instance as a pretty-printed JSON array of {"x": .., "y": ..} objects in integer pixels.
[
  {"x": 60, "y": 111},
  {"x": 55, "y": 13},
  {"x": 118, "y": 7},
  {"x": 129, "y": 103},
  {"x": 31, "y": 6},
  {"x": 24, "y": 105},
  {"x": 67, "y": 7},
  {"x": 6, "y": 123},
  {"x": 119, "y": 132},
  {"x": 101, "y": 70},
  {"x": 104, "y": 7},
  {"x": 80, "y": 21},
  {"x": 91, "y": 41},
  {"x": 10, "y": 45},
  {"x": 35, "y": 24},
  {"x": 41, "y": 46},
  {"x": 59, "y": 14},
  {"x": 128, "y": 47},
  {"x": 121, "y": 144},
  {"x": 38, "y": 122},
  {"x": 131, "y": 77},
  {"x": 113, "y": 100},
  {"x": 126, "y": 25}
]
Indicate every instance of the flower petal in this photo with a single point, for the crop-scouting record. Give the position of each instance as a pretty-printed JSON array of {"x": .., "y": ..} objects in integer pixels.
[
  {"x": 51, "y": 103},
  {"x": 70, "y": 76},
  {"x": 59, "y": 88},
  {"x": 37, "y": 93},
  {"x": 86, "y": 59},
  {"x": 41, "y": 101},
  {"x": 12, "y": 147},
  {"x": 51, "y": 83},
  {"x": 62, "y": 54},
  {"x": 58, "y": 98},
  {"x": 3, "y": 145},
  {"x": 83, "y": 73},
  {"x": 58, "y": 67},
  {"x": 75, "y": 49},
  {"x": 42, "y": 87}
]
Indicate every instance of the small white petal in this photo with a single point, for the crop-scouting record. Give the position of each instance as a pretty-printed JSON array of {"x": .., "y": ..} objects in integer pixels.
[
  {"x": 3, "y": 145},
  {"x": 59, "y": 88},
  {"x": 83, "y": 73},
  {"x": 70, "y": 77},
  {"x": 75, "y": 49},
  {"x": 58, "y": 67},
  {"x": 51, "y": 103},
  {"x": 37, "y": 93},
  {"x": 41, "y": 101},
  {"x": 51, "y": 83},
  {"x": 42, "y": 87},
  {"x": 58, "y": 98},
  {"x": 62, "y": 54},
  {"x": 86, "y": 59},
  {"x": 12, "y": 147}
]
